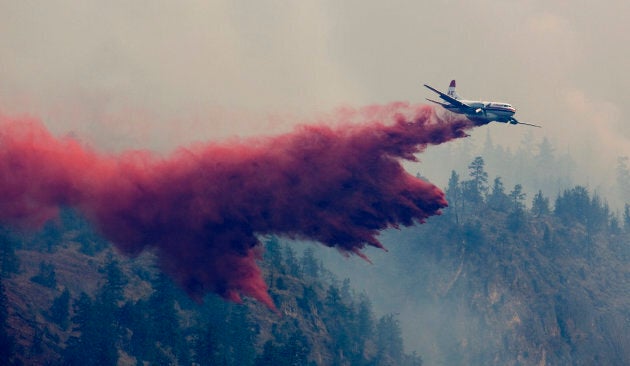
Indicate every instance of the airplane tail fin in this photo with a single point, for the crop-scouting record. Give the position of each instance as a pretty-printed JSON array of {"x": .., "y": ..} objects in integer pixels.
[{"x": 451, "y": 90}]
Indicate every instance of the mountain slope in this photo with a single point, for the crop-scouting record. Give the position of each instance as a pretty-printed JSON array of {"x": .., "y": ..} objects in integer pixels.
[
  {"x": 507, "y": 285},
  {"x": 71, "y": 300}
]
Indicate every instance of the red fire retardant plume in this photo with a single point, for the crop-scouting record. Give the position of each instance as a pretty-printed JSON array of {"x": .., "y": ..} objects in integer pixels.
[{"x": 203, "y": 207}]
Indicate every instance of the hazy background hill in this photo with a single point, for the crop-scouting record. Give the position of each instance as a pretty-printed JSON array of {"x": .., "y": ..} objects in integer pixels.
[{"x": 506, "y": 276}]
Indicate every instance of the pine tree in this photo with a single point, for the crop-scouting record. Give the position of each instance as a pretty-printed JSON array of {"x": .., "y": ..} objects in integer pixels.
[
  {"x": 479, "y": 180},
  {"x": 308, "y": 302},
  {"x": 49, "y": 237},
  {"x": 626, "y": 217},
  {"x": 94, "y": 345},
  {"x": 597, "y": 215},
  {"x": 517, "y": 196},
  {"x": 389, "y": 342},
  {"x": 98, "y": 322},
  {"x": 271, "y": 356},
  {"x": 540, "y": 205},
  {"x": 9, "y": 261},
  {"x": 296, "y": 349},
  {"x": 46, "y": 275},
  {"x": 204, "y": 346},
  {"x": 573, "y": 205},
  {"x": 623, "y": 178},
  {"x": 365, "y": 318},
  {"x": 273, "y": 255},
  {"x": 497, "y": 199},
  {"x": 59, "y": 312},
  {"x": 614, "y": 225},
  {"x": 454, "y": 196},
  {"x": 291, "y": 262},
  {"x": 517, "y": 213},
  {"x": 310, "y": 264},
  {"x": 7, "y": 343},
  {"x": 164, "y": 319}
]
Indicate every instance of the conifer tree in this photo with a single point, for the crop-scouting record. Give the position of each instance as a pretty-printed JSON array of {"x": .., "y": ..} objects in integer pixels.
[
  {"x": 291, "y": 262},
  {"x": 623, "y": 178},
  {"x": 310, "y": 264},
  {"x": 365, "y": 318},
  {"x": 98, "y": 322},
  {"x": 60, "y": 310},
  {"x": 478, "y": 184},
  {"x": 540, "y": 205},
  {"x": 517, "y": 214},
  {"x": 7, "y": 343},
  {"x": 454, "y": 196},
  {"x": 497, "y": 199},
  {"x": 9, "y": 261},
  {"x": 273, "y": 255},
  {"x": 46, "y": 275},
  {"x": 389, "y": 340},
  {"x": 517, "y": 196},
  {"x": 95, "y": 344}
]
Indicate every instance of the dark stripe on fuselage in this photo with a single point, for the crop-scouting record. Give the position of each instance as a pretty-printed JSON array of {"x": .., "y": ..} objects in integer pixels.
[{"x": 500, "y": 109}]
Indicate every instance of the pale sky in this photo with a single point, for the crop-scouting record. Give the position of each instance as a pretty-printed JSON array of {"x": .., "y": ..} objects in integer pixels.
[{"x": 156, "y": 74}]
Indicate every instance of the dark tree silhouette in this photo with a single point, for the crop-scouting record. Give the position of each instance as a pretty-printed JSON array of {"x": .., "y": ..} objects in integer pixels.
[
  {"x": 540, "y": 205},
  {"x": 497, "y": 199},
  {"x": 59, "y": 311},
  {"x": 478, "y": 186}
]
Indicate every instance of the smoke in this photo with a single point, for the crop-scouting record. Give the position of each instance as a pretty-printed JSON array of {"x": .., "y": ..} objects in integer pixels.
[{"x": 203, "y": 207}]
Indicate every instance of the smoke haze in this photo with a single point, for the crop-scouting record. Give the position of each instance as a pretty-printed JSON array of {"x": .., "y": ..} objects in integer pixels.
[
  {"x": 76, "y": 66},
  {"x": 202, "y": 207}
]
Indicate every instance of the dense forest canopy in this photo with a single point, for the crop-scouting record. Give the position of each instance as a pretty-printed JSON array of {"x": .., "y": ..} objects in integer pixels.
[
  {"x": 124, "y": 311},
  {"x": 507, "y": 277},
  {"x": 536, "y": 164},
  {"x": 504, "y": 276}
]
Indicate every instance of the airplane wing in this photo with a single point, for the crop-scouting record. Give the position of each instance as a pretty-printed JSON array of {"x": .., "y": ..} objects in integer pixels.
[
  {"x": 514, "y": 121},
  {"x": 449, "y": 99},
  {"x": 436, "y": 102}
]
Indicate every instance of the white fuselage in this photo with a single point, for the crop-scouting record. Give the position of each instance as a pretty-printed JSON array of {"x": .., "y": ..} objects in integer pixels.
[{"x": 486, "y": 111}]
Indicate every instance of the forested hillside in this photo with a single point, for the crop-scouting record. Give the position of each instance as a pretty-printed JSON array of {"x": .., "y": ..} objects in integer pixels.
[
  {"x": 67, "y": 299},
  {"x": 506, "y": 279},
  {"x": 501, "y": 278}
]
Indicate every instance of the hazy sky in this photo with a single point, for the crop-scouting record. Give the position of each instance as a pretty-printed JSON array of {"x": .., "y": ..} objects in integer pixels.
[{"x": 160, "y": 73}]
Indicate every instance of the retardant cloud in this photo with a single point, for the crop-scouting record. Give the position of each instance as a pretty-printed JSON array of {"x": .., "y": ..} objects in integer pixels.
[{"x": 203, "y": 207}]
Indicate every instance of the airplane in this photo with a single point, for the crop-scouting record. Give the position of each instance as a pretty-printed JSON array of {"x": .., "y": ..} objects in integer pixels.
[{"x": 477, "y": 111}]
